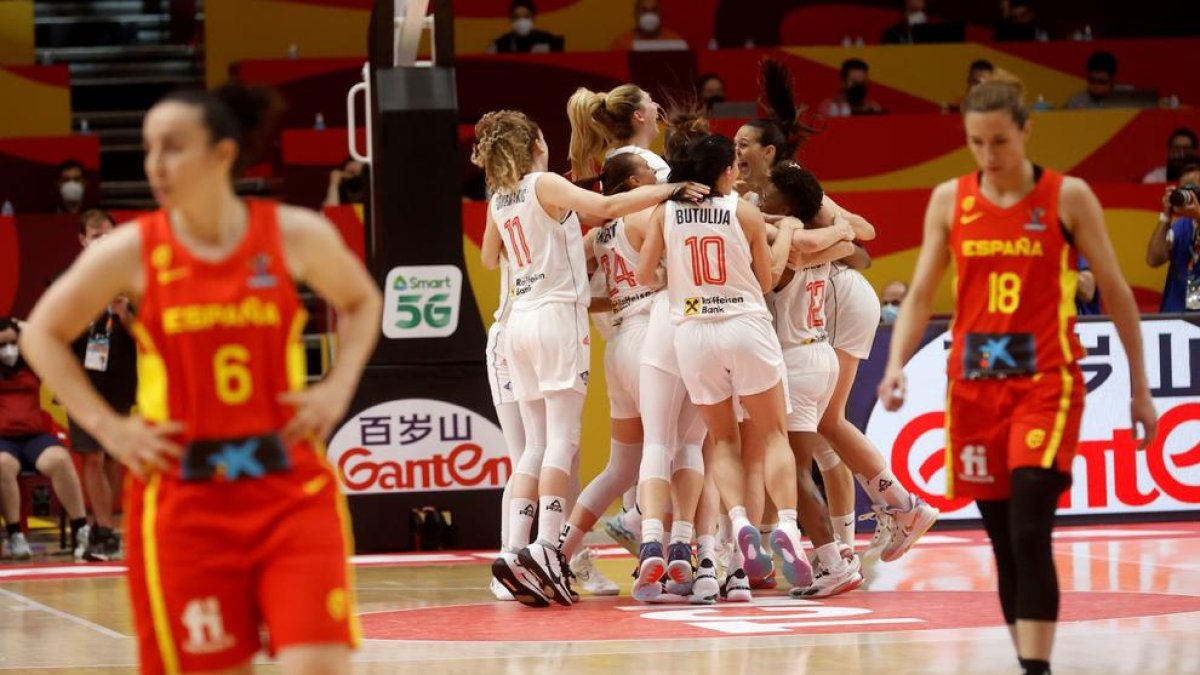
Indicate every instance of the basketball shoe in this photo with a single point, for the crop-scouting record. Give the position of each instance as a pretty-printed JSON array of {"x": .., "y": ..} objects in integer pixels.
[{"x": 583, "y": 567}]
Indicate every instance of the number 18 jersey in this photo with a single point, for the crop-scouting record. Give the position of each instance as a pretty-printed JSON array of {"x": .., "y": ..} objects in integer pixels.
[
  {"x": 709, "y": 270},
  {"x": 545, "y": 255}
]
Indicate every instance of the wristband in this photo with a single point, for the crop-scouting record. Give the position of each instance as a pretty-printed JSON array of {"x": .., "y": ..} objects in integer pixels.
[{"x": 1163, "y": 219}]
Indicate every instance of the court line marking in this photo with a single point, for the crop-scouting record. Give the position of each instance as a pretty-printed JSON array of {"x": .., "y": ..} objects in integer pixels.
[
  {"x": 1120, "y": 561},
  {"x": 78, "y": 620}
]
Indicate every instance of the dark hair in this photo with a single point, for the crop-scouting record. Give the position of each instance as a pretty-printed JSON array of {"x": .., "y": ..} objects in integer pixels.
[
  {"x": 783, "y": 129},
  {"x": 1103, "y": 62},
  {"x": 1186, "y": 133},
  {"x": 617, "y": 171},
  {"x": 247, "y": 116},
  {"x": 686, "y": 122},
  {"x": 93, "y": 214},
  {"x": 853, "y": 64},
  {"x": 981, "y": 64},
  {"x": 1003, "y": 92},
  {"x": 70, "y": 164},
  {"x": 527, "y": 4},
  {"x": 704, "y": 160},
  {"x": 1177, "y": 167},
  {"x": 800, "y": 189},
  {"x": 7, "y": 322}
]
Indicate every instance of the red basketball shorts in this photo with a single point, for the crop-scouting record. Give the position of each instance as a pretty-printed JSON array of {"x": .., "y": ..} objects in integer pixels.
[{"x": 995, "y": 426}]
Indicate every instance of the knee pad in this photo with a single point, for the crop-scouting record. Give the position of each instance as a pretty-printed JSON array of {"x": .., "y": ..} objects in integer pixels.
[
  {"x": 654, "y": 463},
  {"x": 692, "y": 458},
  {"x": 623, "y": 464},
  {"x": 826, "y": 458},
  {"x": 560, "y": 454},
  {"x": 530, "y": 463}
]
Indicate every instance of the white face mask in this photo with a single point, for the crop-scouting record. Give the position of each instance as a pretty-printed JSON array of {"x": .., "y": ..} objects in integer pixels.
[
  {"x": 72, "y": 191},
  {"x": 917, "y": 18},
  {"x": 9, "y": 354},
  {"x": 888, "y": 314},
  {"x": 649, "y": 22},
  {"x": 522, "y": 26}
]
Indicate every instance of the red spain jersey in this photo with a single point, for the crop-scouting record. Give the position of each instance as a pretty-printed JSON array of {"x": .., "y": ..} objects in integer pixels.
[
  {"x": 218, "y": 342},
  {"x": 1016, "y": 273}
]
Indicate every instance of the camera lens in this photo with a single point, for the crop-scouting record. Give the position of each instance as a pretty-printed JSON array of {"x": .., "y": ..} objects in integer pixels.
[{"x": 1178, "y": 197}]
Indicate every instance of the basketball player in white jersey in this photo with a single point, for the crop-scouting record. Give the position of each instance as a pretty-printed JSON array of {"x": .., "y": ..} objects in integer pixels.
[
  {"x": 718, "y": 267},
  {"x": 532, "y": 220}
]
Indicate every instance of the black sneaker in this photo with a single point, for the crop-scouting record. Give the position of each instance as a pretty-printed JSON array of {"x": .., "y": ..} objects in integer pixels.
[{"x": 103, "y": 545}]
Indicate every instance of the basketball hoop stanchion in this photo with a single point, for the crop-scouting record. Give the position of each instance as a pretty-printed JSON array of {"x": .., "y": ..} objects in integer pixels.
[{"x": 422, "y": 428}]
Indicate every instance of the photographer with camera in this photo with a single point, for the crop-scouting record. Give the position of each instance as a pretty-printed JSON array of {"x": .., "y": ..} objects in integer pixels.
[{"x": 1177, "y": 240}]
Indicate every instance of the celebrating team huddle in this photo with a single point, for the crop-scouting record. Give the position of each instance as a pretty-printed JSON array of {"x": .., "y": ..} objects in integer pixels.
[{"x": 721, "y": 368}]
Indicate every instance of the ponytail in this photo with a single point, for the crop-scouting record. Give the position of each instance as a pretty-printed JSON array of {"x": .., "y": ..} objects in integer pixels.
[
  {"x": 784, "y": 127},
  {"x": 704, "y": 160},
  {"x": 599, "y": 120}
]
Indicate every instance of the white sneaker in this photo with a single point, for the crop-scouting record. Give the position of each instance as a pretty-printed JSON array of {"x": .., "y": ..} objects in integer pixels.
[
  {"x": 520, "y": 582},
  {"x": 725, "y": 556},
  {"x": 908, "y": 528},
  {"x": 705, "y": 588},
  {"x": 626, "y": 538},
  {"x": 583, "y": 566},
  {"x": 882, "y": 536},
  {"x": 500, "y": 592},
  {"x": 18, "y": 547},
  {"x": 81, "y": 541},
  {"x": 846, "y": 577},
  {"x": 546, "y": 563},
  {"x": 737, "y": 587}
]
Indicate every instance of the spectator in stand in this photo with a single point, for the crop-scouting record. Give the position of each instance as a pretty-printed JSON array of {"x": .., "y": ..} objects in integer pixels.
[
  {"x": 980, "y": 70},
  {"x": 889, "y": 301},
  {"x": 710, "y": 89},
  {"x": 71, "y": 179},
  {"x": 348, "y": 184},
  {"x": 524, "y": 38},
  {"x": 1018, "y": 23},
  {"x": 26, "y": 445},
  {"x": 1176, "y": 240},
  {"x": 647, "y": 25},
  {"x": 1101, "y": 83},
  {"x": 902, "y": 33},
  {"x": 1181, "y": 144},
  {"x": 854, "y": 99},
  {"x": 109, "y": 356}
]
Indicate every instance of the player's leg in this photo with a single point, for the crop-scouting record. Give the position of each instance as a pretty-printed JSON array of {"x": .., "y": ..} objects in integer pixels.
[
  {"x": 315, "y": 660},
  {"x": 662, "y": 396},
  {"x": 687, "y": 482},
  {"x": 997, "y": 522},
  {"x": 839, "y": 491},
  {"x": 509, "y": 414},
  {"x": 100, "y": 543},
  {"x": 54, "y": 462}
]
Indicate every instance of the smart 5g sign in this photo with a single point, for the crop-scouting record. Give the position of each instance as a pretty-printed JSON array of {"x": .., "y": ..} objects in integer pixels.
[{"x": 422, "y": 301}]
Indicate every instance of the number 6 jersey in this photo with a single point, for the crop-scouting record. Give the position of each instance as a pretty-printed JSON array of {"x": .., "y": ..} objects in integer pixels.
[
  {"x": 545, "y": 255},
  {"x": 1016, "y": 272}
]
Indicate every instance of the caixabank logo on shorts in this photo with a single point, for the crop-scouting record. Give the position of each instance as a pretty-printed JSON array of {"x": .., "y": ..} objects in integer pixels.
[{"x": 422, "y": 301}]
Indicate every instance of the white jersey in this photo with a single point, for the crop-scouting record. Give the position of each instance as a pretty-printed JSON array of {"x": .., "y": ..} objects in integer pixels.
[
  {"x": 619, "y": 262},
  {"x": 709, "y": 269},
  {"x": 662, "y": 171},
  {"x": 545, "y": 256},
  {"x": 799, "y": 307},
  {"x": 506, "y": 293}
]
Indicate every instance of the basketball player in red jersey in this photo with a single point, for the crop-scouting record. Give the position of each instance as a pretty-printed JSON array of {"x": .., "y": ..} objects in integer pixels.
[
  {"x": 1015, "y": 395},
  {"x": 234, "y": 519}
]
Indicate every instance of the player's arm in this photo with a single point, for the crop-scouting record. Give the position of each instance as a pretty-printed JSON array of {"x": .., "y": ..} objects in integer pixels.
[
  {"x": 917, "y": 306},
  {"x": 1083, "y": 215},
  {"x": 110, "y": 267},
  {"x": 1158, "y": 250},
  {"x": 817, "y": 239},
  {"x": 317, "y": 256},
  {"x": 554, "y": 189},
  {"x": 493, "y": 244},
  {"x": 652, "y": 249},
  {"x": 760, "y": 253},
  {"x": 781, "y": 246},
  {"x": 863, "y": 229},
  {"x": 859, "y": 259},
  {"x": 836, "y": 252}
]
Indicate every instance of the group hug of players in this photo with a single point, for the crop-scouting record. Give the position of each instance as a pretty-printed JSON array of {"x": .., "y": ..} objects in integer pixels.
[{"x": 734, "y": 320}]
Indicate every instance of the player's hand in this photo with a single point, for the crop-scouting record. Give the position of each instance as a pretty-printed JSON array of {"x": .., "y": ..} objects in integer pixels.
[
  {"x": 842, "y": 226},
  {"x": 317, "y": 408},
  {"x": 143, "y": 447},
  {"x": 690, "y": 191},
  {"x": 1145, "y": 418},
  {"x": 893, "y": 389}
]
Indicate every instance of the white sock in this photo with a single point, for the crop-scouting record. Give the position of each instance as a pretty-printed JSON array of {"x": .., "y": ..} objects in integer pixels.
[
  {"x": 843, "y": 528},
  {"x": 632, "y": 520},
  {"x": 724, "y": 528},
  {"x": 552, "y": 512},
  {"x": 829, "y": 555},
  {"x": 768, "y": 528},
  {"x": 520, "y": 522},
  {"x": 885, "y": 489},
  {"x": 706, "y": 547},
  {"x": 738, "y": 520},
  {"x": 572, "y": 537},
  {"x": 681, "y": 532},
  {"x": 652, "y": 530}
]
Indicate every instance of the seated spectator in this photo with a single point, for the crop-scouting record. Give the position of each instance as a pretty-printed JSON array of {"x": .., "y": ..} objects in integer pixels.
[
  {"x": 71, "y": 184},
  {"x": 854, "y": 99},
  {"x": 1176, "y": 240},
  {"x": 1180, "y": 144},
  {"x": 980, "y": 70},
  {"x": 524, "y": 38},
  {"x": 902, "y": 33},
  {"x": 889, "y": 301},
  {"x": 1018, "y": 23},
  {"x": 710, "y": 89},
  {"x": 348, "y": 184},
  {"x": 1101, "y": 83},
  {"x": 26, "y": 445},
  {"x": 647, "y": 25}
]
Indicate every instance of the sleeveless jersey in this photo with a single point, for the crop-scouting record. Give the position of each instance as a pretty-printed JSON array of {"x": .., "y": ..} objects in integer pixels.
[
  {"x": 545, "y": 256},
  {"x": 506, "y": 293},
  {"x": 709, "y": 273},
  {"x": 218, "y": 342},
  {"x": 619, "y": 262},
  {"x": 799, "y": 307},
  {"x": 1016, "y": 272}
]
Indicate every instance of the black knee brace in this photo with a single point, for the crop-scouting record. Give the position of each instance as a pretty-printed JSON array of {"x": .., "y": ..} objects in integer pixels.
[
  {"x": 1032, "y": 504},
  {"x": 996, "y": 522}
]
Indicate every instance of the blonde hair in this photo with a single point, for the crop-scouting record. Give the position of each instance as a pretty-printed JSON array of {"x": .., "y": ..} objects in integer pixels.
[
  {"x": 505, "y": 142},
  {"x": 1003, "y": 91},
  {"x": 600, "y": 120}
]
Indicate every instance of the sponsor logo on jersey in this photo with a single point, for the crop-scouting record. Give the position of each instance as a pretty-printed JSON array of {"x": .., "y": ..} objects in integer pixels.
[
  {"x": 1035, "y": 223},
  {"x": 691, "y": 306},
  {"x": 1035, "y": 438},
  {"x": 250, "y": 312},
  {"x": 422, "y": 301},
  {"x": 585, "y": 375},
  {"x": 260, "y": 275},
  {"x": 968, "y": 218},
  {"x": 713, "y": 304},
  {"x": 1022, "y": 247},
  {"x": 966, "y": 206}
]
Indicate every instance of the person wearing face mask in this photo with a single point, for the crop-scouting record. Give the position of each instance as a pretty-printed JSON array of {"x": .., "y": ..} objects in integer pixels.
[
  {"x": 524, "y": 38},
  {"x": 647, "y": 26},
  {"x": 853, "y": 99},
  {"x": 26, "y": 444},
  {"x": 70, "y": 186},
  {"x": 902, "y": 32},
  {"x": 348, "y": 184},
  {"x": 889, "y": 301},
  {"x": 710, "y": 90}
]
